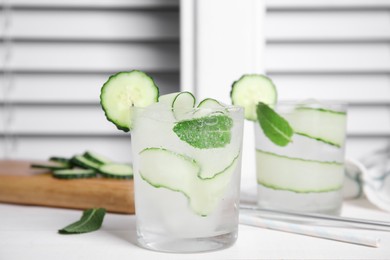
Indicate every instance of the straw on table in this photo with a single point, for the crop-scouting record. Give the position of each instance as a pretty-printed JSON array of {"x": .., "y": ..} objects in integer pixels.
[{"x": 320, "y": 232}]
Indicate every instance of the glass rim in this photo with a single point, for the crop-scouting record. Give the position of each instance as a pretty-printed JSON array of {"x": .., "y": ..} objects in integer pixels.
[
  {"x": 312, "y": 101},
  {"x": 230, "y": 108}
]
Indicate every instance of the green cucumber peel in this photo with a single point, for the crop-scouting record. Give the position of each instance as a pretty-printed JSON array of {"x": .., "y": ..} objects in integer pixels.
[
  {"x": 203, "y": 194},
  {"x": 91, "y": 220},
  {"x": 299, "y": 159},
  {"x": 322, "y": 110},
  {"x": 319, "y": 139},
  {"x": 275, "y": 187},
  {"x": 207, "y": 132},
  {"x": 274, "y": 126},
  {"x": 74, "y": 173}
]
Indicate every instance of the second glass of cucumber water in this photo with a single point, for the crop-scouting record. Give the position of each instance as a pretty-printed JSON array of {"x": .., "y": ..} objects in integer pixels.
[
  {"x": 187, "y": 175},
  {"x": 306, "y": 175}
]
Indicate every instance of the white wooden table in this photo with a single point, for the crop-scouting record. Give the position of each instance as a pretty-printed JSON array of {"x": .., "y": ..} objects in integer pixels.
[{"x": 28, "y": 232}]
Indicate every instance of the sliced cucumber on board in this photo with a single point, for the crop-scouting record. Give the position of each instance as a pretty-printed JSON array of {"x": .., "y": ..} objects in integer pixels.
[
  {"x": 53, "y": 165},
  {"x": 97, "y": 158},
  {"x": 124, "y": 90},
  {"x": 306, "y": 121},
  {"x": 74, "y": 173},
  {"x": 85, "y": 163},
  {"x": 156, "y": 168},
  {"x": 116, "y": 171},
  {"x": 250, "y": 90},
  {"x": 297, "y": 175}
]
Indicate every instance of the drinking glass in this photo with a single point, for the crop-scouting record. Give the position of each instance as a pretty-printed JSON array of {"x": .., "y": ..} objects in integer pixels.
[
  {"x": 306, "y": 175},
  {"x": 187, "y": 177}
]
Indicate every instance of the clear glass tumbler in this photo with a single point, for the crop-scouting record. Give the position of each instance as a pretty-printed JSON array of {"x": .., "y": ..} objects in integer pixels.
[
  {"x": 306, "y": 175},
  {"x": 187, "y": 177}
]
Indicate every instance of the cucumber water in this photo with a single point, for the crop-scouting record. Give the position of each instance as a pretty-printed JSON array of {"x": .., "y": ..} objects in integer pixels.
[
  {"x": 307, "y": 173},
  {"x": 186, "y": 169}
]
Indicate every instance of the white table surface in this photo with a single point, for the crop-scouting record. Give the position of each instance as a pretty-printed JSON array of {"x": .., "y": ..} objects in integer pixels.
[{"x": 28, "y": 232}]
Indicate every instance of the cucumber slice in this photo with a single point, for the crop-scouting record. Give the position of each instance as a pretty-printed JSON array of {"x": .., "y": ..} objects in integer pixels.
[
  {"x": 74, "y": 173},
  {"x": 97, "y": 158},
  {"x": 85, "y": 163},
  {"x": 124, "y": 90},
  {"x": 210, "y": 103},
  {"x": 305, "y": 122},
  {"x": 250, "y": 90},
  {"x": 297, "y": 175},
  {"x": 116, "y": 171},
  {"x": 60, "y": 160},
  {"x": 52, "y": 165},
  {"x": 181, "y": 103},
  {"x": 209, "y": 107},
  {"x": 156, "y": 168}
]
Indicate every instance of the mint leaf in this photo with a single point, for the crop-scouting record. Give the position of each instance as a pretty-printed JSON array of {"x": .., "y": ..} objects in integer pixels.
[
  {"x": 275, "y": 127},
  {"x": 205, "y": 132},
  {"x": 91, "y": 220}
]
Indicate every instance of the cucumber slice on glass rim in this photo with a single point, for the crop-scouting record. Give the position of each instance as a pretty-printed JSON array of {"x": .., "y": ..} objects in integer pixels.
[
  {"x": 181, "y": 103},
  {"x": 251, "y": 89},
  {"x": 210, "y": 103},
  {"x": 123, "y": 91}
]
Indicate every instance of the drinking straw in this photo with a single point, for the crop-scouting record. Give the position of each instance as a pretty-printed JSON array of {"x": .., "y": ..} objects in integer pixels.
[
  {"x": 313, "y": 231},
  {"x": 373, "y": 224}
]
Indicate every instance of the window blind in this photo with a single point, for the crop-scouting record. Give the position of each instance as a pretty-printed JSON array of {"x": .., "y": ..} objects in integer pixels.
[
  {"x": 335, "y": 50},
  {"x": 55, "y": 56}
]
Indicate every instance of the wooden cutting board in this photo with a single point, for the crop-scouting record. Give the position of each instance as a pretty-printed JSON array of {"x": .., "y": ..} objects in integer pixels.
[{"x": 20, "y": 184}]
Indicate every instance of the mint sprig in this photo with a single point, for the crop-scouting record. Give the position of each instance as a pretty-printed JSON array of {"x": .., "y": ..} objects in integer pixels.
[
  {"x": 91, "y": 220},
  {"x": 206, "y": 132},
  {"x": 275, "y": 127}
]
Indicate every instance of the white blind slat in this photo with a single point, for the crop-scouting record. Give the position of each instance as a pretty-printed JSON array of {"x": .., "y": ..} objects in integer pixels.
[
  {"x": 352, "y": 88},
  {"x": 373, "y": 25},
  {"x": 33, "y": 148},
  {"x": 328, "y": 57},
  {"x": 65, "y": 120},
  {"x": 292, "y": 4},
  {"x": 92, "y": 25},
  {"x": 71, "y": 88},
  {"x": 92, "y": 56},
  {"x": 97, "y": 3}
]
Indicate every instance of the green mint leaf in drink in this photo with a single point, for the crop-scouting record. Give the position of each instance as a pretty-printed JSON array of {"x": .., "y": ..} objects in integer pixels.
[
  {"x": 212, "y": 131},
  {"x": 275, "y": 127},
  {"x": 91, "y": 220}
]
